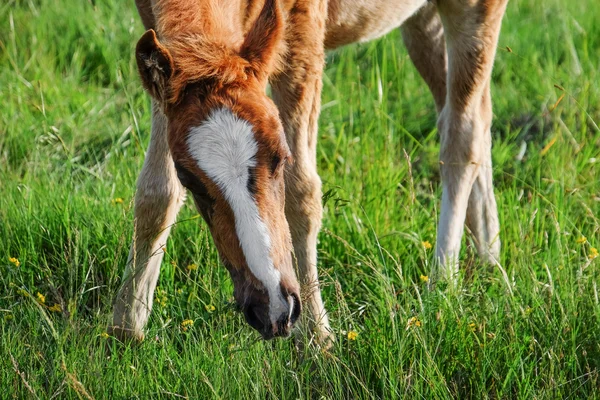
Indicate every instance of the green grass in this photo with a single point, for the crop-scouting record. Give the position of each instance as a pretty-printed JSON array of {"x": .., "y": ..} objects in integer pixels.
[{"x": 74, "y": 125}]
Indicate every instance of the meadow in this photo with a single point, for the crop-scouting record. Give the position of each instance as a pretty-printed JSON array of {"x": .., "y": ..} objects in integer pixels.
[{"x": 74, "y": 126}]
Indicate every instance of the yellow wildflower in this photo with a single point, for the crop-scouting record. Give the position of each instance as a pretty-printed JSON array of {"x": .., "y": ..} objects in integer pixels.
[
  {"x": 55, "y": 308},
  {"x": 593, "y": 253},
  {"x": 210, "y": 308},
  {"x": 352, "y": 335},
  {"x": 581, "y": 240},
  {"x": 192, "y": 267},
  {"x": 412, "y": 322},
  {"x": 188, "y": 323},
  {"x": 41, "y": 297},
  {"x": 104, "y": 335},
  {"x": 424, "y": 278},
  {"x": 426, "y": 245},
  {"x": 161, "y": 297},
  {"x": 472, "y": 327},
  {"x": 118, "y": 200},
  {"x": 15, "y": 261}
]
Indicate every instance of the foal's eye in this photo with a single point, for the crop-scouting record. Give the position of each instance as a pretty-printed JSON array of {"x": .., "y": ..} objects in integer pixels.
[{"x": 275, "y": 163}]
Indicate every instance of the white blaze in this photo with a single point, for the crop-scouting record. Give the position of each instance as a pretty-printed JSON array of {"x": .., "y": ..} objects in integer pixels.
[{"x": 225, "y": 149}]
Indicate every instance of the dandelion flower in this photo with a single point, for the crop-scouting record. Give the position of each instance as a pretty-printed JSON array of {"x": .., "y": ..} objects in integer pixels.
[
  {"x": 424, "y": 278},
  {"x": 192, "y": 267},
  {"x": 55, "y": 308},
  {"x": 581, "y": 240},
  {"x": 188, "y": 323},
  {"x": 413, "y": 322},
  {"x": 352, "y": 335},
  {"x": 472, "y": 327},
  {"x": 210, "y": 308},
  {"x": 118, "y": 200},
  {"x": 41, "y": 298},
  {"x": 15, "y": 261},
  {"x": 593, "y": 253},
  {"x": 426, "y": 245},
  {"x": 104, "y": 335}
]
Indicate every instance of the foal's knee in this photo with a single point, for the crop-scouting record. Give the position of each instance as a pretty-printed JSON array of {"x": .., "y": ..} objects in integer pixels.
[{"x": 157, "y": 201}]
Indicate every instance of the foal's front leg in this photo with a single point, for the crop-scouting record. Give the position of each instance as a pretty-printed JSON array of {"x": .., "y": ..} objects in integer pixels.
[
  {"x": 471, "y": 30},
  {"x": 158, "y": 199},
  {"x": 297, "y": 93}
]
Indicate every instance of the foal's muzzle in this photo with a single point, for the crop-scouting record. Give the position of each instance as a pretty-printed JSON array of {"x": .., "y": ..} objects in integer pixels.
[{"x": 257, "y": 316}]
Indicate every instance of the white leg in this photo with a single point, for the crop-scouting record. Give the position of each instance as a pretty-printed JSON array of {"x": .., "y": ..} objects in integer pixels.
[
  {"x": 459, "y": 166},
  {"x": 471, "y": 30},
  {"x": 482, "y": 213},
  {"x": 158, "y": 199}
]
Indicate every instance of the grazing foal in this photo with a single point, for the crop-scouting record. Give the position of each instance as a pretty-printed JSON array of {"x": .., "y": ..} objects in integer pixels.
[{"x": 206, "y": 64}]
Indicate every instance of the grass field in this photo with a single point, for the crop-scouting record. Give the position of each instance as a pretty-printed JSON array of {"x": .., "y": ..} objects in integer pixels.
[{"x": 74, "y": 126}]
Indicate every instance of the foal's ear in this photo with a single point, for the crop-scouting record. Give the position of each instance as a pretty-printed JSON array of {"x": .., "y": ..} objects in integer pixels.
[
  {"x": 155, "y": 65},
  {"x": 263, "y": 42}
]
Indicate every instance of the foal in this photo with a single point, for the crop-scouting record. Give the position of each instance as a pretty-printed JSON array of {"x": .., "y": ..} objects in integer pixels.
[{"x": 250, "y": 162}]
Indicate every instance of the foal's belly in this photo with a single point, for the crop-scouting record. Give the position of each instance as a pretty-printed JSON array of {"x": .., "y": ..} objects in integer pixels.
[{"x": 352, "y": 21}]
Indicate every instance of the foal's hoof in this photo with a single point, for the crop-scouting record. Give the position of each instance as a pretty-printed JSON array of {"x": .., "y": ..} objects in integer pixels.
[
  {"x": 325, "y": 339},
  {"x": 320, "y": 338},
  {"x": 125, "y": 335}
]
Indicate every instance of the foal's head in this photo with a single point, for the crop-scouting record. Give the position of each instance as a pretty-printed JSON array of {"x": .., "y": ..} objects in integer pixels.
[{"x": 229, "y": 150}]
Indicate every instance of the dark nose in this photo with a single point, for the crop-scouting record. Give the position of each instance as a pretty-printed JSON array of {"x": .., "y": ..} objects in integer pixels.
[{"x": 257, "y": 316}]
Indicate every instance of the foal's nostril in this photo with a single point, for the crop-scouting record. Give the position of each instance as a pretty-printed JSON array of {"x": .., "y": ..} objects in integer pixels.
[
  {"x": 286, "y": 320},
  {"x": 258, "y": 316},
  {"x": 296, "y": 308},
  {"x": 253, "y": 319}
]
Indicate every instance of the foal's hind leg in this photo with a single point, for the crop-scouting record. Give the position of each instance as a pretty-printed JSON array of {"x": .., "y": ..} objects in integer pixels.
[
  {"x": 423, "y": 36},
  {"x": 158, "y": 199},
  {"x": 482, "y": 212},
  {"x": 471, "y": 28},
  {"x": 297, "y": 91}
]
